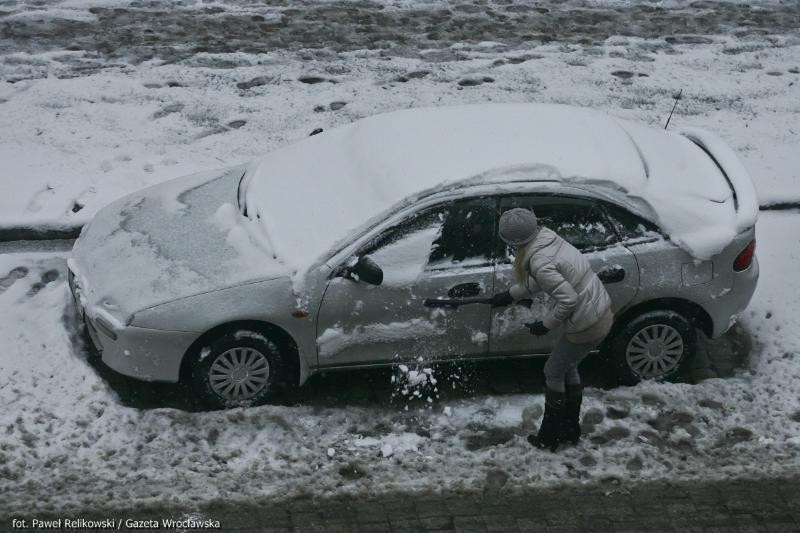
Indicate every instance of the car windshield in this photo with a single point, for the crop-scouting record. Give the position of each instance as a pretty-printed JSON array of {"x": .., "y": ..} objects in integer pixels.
[{"x": 309, "y": 216}]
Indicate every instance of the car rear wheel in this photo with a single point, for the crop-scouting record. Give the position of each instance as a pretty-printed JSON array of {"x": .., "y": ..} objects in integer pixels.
[
  {"x": 241, "y": 368},
  {"x": 653, "y": 346}
]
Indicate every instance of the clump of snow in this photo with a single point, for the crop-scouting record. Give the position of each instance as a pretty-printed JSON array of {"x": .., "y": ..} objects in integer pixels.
[
  {"x": 205, "y": 352},
  {"x": 244, "y": 334},
  {"x": 479, "y": 337},
  {"x": 416, "y": 383}
]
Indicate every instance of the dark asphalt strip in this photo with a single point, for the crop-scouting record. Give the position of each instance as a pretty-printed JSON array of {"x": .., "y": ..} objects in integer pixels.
[
  {"x": 762, "y": 504},
  {"x": 23, "y": 233},
  {"x": 780, "y": 206}
]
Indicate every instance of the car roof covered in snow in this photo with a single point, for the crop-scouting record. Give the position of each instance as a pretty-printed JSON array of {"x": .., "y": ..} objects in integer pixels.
[{"x": 312, "y": 194}]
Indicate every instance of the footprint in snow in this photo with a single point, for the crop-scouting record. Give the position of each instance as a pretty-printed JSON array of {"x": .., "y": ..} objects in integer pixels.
[
  {"x": 614, "y": 433},
  {"x": 617, "y": 413},
  {"x": 9, "y": 279},
  {"x": 47, "y": 277}
]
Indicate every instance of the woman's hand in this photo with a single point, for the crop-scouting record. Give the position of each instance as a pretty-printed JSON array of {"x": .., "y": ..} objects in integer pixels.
[
  {"x": 537, "y": 328},
  {"x": 502, "y": 299}
]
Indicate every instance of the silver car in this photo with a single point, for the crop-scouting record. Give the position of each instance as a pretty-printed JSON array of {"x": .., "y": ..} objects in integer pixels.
[{"x": 321, "y": 255}]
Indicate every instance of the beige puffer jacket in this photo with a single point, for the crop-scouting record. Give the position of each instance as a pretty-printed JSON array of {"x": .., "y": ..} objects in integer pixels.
[{"x": 580, "y": 299}]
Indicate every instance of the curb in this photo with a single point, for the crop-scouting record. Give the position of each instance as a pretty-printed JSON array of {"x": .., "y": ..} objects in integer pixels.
[{"x": 24, "y": 233}]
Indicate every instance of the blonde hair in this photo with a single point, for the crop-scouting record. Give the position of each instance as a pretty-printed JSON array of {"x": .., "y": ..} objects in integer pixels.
[{"x": 520, "y": 272}]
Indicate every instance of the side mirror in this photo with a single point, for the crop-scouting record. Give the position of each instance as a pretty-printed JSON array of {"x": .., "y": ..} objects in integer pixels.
[{"x": 367, "y": 271}]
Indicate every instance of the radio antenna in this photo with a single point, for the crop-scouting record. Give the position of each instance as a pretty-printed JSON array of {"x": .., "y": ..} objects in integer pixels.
[{"x": 673, "y": 108}]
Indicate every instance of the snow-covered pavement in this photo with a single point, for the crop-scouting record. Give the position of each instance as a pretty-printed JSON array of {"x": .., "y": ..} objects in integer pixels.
[
  {"x": 67, "y": 442},
  {"x": 101, "y": 97}
]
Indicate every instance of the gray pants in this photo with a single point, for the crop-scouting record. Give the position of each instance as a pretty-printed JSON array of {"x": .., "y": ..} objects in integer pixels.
[{"x": 562, "y": 365}]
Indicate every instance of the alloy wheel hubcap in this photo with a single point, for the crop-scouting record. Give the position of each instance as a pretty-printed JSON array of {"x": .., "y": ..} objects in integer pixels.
[
  {"x": 655, "y": 351},
  {"x": 239, "y": 374}
]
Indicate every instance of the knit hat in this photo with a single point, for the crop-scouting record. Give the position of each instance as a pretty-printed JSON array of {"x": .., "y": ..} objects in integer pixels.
[{"x": 518, "y": 226}]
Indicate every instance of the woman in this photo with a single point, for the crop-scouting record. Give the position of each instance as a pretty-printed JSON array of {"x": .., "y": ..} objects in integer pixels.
[{"x": 581, "y": 308}]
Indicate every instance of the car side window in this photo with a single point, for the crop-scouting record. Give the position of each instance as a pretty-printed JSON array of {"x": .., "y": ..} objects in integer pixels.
[
  {"x": 630, "y": 226},
  {"x": 467, "y": 237},
  {"x": 455, "y": 234},
  {"x": 579, "y": 222}
]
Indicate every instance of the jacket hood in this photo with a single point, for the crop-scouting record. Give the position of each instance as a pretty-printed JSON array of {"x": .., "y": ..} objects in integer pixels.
[
  {"x": 544, "y": 236},
  {"x": 181, "y": 238}
]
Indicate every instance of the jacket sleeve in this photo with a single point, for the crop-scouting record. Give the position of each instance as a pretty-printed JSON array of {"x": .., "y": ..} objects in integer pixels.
[
  {"x": 553, "y": 283},
  {"x": 519, "y": 292}
]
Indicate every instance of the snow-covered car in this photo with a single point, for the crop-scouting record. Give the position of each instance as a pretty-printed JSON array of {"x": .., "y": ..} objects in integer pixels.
[{"x": 320, "y": 255}]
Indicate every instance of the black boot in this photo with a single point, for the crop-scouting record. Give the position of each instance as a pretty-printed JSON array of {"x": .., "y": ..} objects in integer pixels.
[
  {"x": 572, "y": 418},
  {"x": 550, "y": 432}
]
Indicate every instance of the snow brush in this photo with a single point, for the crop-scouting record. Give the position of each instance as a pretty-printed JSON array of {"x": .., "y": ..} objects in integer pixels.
[
  {"x": 454, "y": 302},
  {"x": 457, "y": 302}
]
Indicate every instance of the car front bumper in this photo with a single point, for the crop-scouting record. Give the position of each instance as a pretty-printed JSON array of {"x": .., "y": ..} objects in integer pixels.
[
  {"x": 141, "y": 353},
  {"x": 146, "y": 354}
]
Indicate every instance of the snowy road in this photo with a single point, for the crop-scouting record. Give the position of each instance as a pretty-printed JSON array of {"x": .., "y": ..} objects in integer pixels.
[
  {"x": 71, "y": 442},
  {"x": 174, "y": 31}
]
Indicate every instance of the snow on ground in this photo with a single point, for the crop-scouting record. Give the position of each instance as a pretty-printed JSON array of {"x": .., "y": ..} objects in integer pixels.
[
  {"x": 79, "y": 128},
  {"x": 68, "y": 443}
]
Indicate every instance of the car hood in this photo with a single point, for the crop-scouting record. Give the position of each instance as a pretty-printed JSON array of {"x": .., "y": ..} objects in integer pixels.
[{"x": 177, "y": 239}]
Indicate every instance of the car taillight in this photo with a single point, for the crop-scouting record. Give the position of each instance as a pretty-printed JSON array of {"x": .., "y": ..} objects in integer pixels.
[{"x": 744, "y": 259}]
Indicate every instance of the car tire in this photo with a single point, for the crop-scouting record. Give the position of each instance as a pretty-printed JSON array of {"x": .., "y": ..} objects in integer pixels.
[
  {"x": 656, "y": 345},
  {"x": 241, "y": 368}
]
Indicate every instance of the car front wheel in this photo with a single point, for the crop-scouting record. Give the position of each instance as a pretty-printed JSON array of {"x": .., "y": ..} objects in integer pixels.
[
  {"x": 653, "y": 346},
  {"x": 241, "y": 368}
]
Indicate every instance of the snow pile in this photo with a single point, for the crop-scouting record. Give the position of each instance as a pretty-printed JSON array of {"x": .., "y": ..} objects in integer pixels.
[
  {"x": 350, "y": 175},
  {"x": 383, "y": 160}
]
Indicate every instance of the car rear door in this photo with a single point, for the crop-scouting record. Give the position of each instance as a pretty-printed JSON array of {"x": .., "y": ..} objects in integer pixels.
[
  {"x": 441, "y": 252},
  {"x": 585, "y": 225}
]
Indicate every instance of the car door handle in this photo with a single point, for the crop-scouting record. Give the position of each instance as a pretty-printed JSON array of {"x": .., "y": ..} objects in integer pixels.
[
  {"x": 464, "y": 290},
  {"x": 611, "y": 275}
]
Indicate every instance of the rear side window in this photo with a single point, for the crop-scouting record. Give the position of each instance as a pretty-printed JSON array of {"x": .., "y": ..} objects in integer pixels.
[
  {"x": 579, "y": 222},
  {"x": 630, "y": 226}
]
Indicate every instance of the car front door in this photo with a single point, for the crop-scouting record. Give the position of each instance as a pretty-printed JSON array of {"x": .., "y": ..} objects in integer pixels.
[
  {"x": 438, "y": 252},
  {"x": 585, "y": 225}
]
